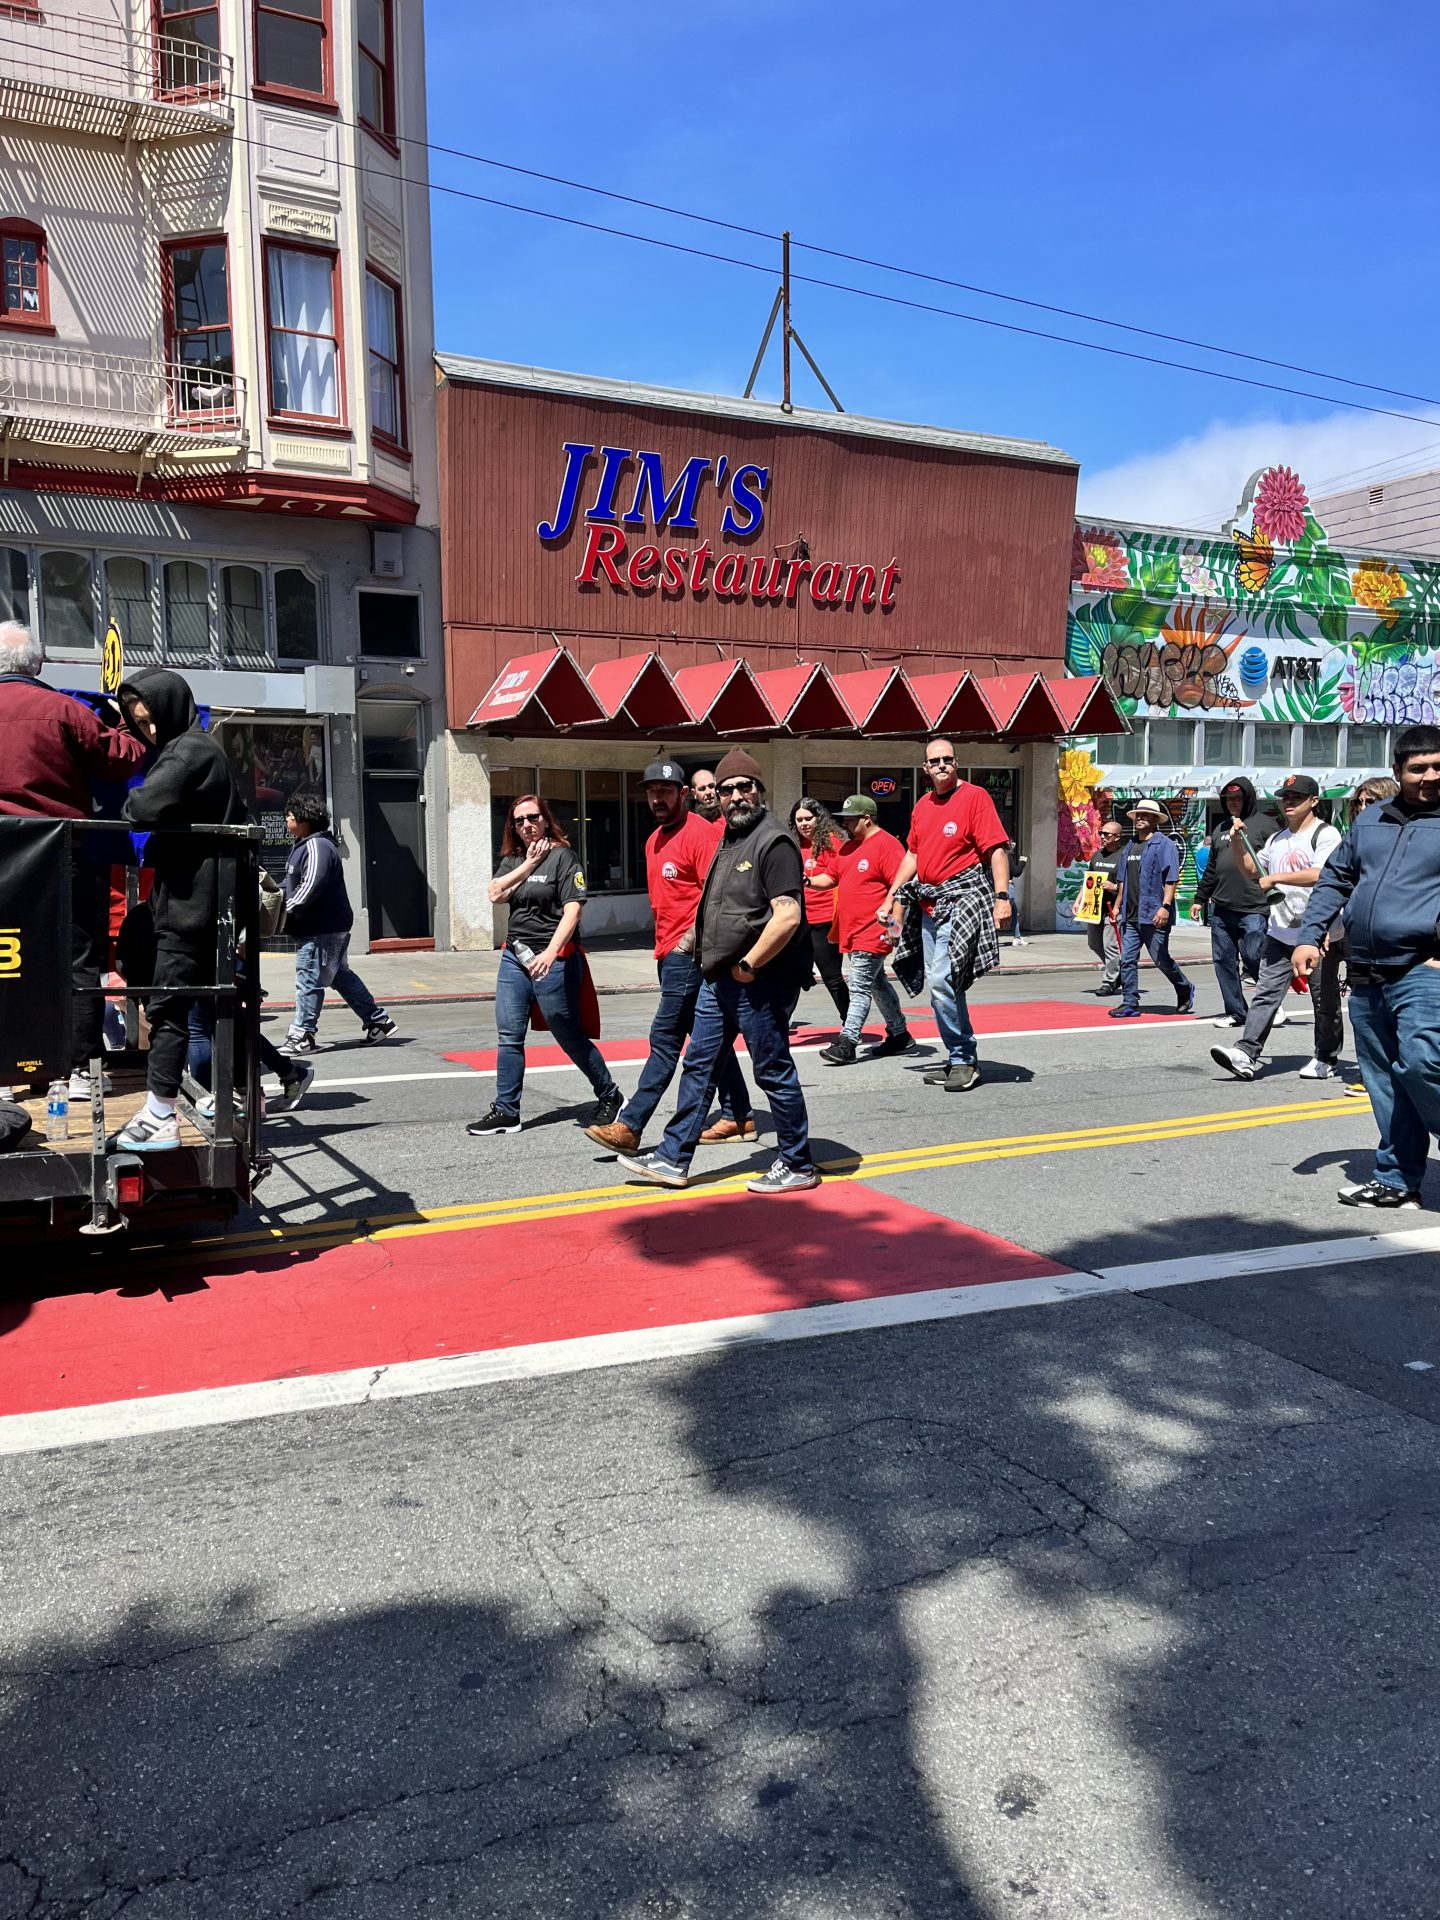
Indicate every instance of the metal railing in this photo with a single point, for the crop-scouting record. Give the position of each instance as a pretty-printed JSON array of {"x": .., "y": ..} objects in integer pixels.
[
  {"x": 90, "y": 395},
  {"x": 48, "y": 56}
]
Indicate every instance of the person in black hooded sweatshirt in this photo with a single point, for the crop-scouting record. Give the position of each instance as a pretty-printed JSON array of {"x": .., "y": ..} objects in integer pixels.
[
  {"x": 189, "y": 784},
  {"x": 1239, "y": 910}
]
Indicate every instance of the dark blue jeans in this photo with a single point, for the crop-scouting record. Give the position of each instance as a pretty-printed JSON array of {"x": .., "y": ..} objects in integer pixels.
[
  {"x": 201, "y": 1051},
  {"x": 559, "y": 997},
  {"x": 1156, "y": 942},
  {"x": 762, "y": 1014},
  {"x": 1236, "y": 940},
  {"x": 680, "y": 985},
  {"x": 1397, "y": 1042}
]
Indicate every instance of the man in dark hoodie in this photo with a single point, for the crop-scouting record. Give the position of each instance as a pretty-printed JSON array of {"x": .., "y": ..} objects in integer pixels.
[
  {"x": 189, "y": 784},
  {"x": 1239, "y": 909}
]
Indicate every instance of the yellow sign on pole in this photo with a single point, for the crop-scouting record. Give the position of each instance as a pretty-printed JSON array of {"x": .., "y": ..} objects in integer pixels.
[
  {"x": 1090, "y": 901},
  {"x": 112, "y": 670}
]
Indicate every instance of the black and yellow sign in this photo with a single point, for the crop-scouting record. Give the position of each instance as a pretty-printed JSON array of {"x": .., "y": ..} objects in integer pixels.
[
  {"x": 35, "y": 1009},
  {"x": 112, "y": 670}
]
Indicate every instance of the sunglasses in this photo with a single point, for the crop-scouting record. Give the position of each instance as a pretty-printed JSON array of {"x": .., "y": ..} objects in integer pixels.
[
  {"x": 528, "y": 819},
  {"x": 733, "y": 787},
  {"x": 942, "y": 760}
]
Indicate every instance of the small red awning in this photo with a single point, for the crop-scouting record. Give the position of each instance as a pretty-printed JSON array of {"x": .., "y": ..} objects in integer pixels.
[
  {"x": 880, "y": 701},
  {"x": 639, "y": 689},
  {"x": 725, "y": 696},
  {"x": 953, "y": 703},
  {"x": 805, "y": 699},
  {"x": 1087, "y": 705},
  {"x": 1022, "y": 706},
  {"x": 536, "y": 690}
]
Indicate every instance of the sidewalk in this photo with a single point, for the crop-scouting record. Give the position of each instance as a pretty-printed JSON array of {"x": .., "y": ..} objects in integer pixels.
[{"x": 406, "y": 979}]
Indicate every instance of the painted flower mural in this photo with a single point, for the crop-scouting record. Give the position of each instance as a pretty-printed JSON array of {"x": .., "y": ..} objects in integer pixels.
[
  {"x": 1281, "y": 505},
  {"x": 1375, "y": 583},
  {"x": 1196, "y": 574},
  {"x": 1097, "y": 558}
]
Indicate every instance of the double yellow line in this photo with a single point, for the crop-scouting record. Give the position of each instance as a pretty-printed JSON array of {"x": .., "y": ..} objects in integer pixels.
[{"x": 317, "y": 1235}]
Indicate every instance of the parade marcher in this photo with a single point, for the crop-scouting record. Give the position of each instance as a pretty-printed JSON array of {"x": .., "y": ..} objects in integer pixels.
[
  {"x": 1378, "y": 787},
  {"x": 754, "y": 949},
  {"x": 703, "y": 797},
  {"x": 868, "y": 864},
  {"x": 189, "y": 784},
  {"x": 319, "y": 918},
  {"x": 542, "y": 966},
  {"x": 954, "y": 886},
  {"x": 1287, "y": 867},
  {"x": 1104, "y": 934},
  {"x": 51, "y": 749},
  {"x": 1237, "y": 905},
  {"x": 819, "y": 839},
  {"x": 1385, "y": 879},
  {"x": 1146, "y": 880},
  {"x": 677, "y": 858}
]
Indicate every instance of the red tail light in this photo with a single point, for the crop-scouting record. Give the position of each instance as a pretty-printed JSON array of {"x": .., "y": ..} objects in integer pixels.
[{"x": 130, "y": 1189}]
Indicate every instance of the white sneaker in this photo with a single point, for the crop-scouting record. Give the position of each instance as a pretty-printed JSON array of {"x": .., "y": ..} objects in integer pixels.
[
  {"x": 1234, "y": 1061},
  {"x": 1317, "y": 1070},
  {"x": 1282, "y": 1018},
  {"x": 80, "y": 1086},
  {"x": 1226, "y": 1021}
]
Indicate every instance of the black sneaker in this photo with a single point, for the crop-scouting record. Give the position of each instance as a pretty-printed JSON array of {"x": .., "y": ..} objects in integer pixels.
[
  {"x": 607, "y": 1112},
  {"x": 840, "y": 1052},
  {"x": 1375, "y": 1193},
  {"x": 892, "y": 1043},
  {"x": 299, "y": 1044},
  {"x": 495, "y": 1121},
  {"x": 381, "y": 1027}
]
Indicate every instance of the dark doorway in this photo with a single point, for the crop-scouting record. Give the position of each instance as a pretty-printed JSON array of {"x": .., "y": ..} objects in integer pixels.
[{"x": 397, "y": 892}]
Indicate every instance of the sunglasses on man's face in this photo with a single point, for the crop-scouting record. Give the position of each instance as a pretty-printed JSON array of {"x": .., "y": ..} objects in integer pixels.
[
  {"x": 942, "y": 760},
  {"x": 733, "y": 787}
]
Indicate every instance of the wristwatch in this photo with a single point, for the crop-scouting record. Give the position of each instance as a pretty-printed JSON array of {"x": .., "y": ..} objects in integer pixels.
[{"x": 745, "y": 966}]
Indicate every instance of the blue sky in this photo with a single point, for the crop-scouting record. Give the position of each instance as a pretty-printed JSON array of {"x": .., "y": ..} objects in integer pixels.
[{"x": 1260, "y": 176}]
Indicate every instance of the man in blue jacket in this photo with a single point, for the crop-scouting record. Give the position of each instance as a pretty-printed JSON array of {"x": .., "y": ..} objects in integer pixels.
[
  {"x": 1148, "y": 875},
  {"x": 318, "y": 918},
  {"x": 1385, "y": 877}
]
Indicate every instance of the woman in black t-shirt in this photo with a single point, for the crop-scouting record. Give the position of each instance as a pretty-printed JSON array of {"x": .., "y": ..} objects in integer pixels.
[{"x": 540, "y": 879}]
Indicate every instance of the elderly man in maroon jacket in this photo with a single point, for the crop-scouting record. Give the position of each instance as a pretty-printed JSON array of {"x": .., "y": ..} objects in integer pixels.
[{"x": 51, "y": 749}]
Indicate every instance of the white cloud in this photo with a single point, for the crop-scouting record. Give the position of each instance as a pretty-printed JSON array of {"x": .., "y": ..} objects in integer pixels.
[{"x": 1198, "y": 481}]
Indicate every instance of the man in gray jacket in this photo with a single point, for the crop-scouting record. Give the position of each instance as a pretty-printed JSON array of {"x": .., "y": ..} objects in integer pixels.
[{"x": 1385, "y": 878}]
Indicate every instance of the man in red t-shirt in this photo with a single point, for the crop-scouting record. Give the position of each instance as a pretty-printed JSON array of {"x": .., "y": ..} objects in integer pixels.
[
  {"x": 953, "y": 828},
  {"x": 677, "y": 859},
  {"x": 866, "y": 868}
]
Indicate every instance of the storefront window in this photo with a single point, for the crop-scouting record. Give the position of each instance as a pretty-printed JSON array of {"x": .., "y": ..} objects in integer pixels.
[
  {"x": 1367, "y": 748},
  {"x": 15, "y": 585},
  {"x": 187, "y": 614},
  {"x": 392, "y": 736},
  {"x": 297, "y": 615},
  {"x": 1125, "y": 749},
  {"x": 129, "y": 603},
  {"x": 1172, "y": 743},
  {"x": 1272, "y": 746},
  {"x": 271, "y": 761},
  {"x": 242, "y": 616},
  {"x": 506, "y": 784},
  {"x": 604, "y": 851},
  {"x": 561, "y": 787},
  {"x": 67, "y": 601},
  {"x": 832, "y": 785},
  {"x": 1002, "y": 785},
  {"x": 1224, "y": 743},
  {"x": 1320, "y": 746},
  {"x": 892, "y": 790},
  {"x": 639, "y": 825}
]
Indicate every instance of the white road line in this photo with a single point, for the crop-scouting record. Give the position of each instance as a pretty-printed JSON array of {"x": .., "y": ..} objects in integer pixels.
[
  {"x": 406, "y": 1379},
  {"x": 801, "y": 1053}
]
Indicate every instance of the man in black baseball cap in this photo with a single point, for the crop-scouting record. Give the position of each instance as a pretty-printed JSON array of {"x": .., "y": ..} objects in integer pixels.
[{"x": 677, "y": 858}]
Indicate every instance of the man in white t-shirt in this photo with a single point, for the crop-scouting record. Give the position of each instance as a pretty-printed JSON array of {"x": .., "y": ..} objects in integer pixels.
[{"x": 1287, "y": 867}]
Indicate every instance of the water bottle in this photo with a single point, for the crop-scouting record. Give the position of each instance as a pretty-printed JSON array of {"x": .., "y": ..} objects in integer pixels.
[
  {"x": 57, "y": 1111},
  {"x": 524, "y": 954}
]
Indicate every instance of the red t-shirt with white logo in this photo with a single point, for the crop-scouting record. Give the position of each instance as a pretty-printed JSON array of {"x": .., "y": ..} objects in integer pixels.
[
  {"x": 867, "y": 868},
  {"x": 677, "y": 860},
  {"x": 947, "y": 836},
  {"x": 820, "y": 901}
]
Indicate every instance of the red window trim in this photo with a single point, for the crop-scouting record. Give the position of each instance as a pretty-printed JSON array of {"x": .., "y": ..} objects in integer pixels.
[
  {"x": 18, "y": 229},
  {"x": 385, "y": 134},
  {"x": 401, "y": 447},
  {"x": 167, "y": 249},
  {"x": 313, "y": 423},
  {"x": 160, "y": 27},
  {"x": 323, "y": 102},
  {"x": 30, "y": 7}
]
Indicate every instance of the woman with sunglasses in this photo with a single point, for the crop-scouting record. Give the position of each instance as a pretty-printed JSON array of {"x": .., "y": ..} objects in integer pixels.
[
  {"x": 540, "y": 880},
  {"x": 813, "y": 825}
]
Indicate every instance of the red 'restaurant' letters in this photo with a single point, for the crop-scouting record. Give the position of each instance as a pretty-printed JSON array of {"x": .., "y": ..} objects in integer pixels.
[{"x": 729, "y": 576}]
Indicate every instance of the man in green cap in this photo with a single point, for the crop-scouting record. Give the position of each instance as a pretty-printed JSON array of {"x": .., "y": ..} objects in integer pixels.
[{"x": 869, "y": 861}]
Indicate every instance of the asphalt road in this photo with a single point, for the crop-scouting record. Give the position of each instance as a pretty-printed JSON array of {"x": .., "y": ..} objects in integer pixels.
[{"x": 1121, "y": 1608}]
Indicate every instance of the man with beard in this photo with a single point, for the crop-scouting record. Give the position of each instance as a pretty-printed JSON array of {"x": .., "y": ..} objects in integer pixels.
[
  {"x": 754, "y": 949},
  {"x": 677, "y": 858},
  {"x": 1385, "y": 877},
  {"x": 703, "y": 797}
]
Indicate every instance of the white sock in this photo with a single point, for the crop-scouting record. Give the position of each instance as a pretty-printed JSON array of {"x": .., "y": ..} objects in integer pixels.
[{"x": 159, "y": 1109}]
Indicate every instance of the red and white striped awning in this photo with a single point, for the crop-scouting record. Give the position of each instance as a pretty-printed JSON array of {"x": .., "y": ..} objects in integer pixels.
[{"x": 637, "y": 697}]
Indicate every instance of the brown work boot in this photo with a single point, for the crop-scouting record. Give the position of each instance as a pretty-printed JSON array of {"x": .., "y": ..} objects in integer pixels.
[
  {"x": 617, "y": 1136},
  {"x": 726, "y": 1130}
]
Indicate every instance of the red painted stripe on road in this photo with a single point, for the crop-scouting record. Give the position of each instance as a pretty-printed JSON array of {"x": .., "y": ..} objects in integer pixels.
[
  {"x": 1010, "y": 1017},
  {"x": 483, "y": 1289}
]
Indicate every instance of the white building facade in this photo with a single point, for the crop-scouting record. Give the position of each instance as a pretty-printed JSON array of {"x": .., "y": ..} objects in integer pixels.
[{"x": 216, "y": 393}]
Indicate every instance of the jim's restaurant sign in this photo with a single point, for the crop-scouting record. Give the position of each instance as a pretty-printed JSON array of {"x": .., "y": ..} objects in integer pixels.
[{"x": 632, "y": 494}]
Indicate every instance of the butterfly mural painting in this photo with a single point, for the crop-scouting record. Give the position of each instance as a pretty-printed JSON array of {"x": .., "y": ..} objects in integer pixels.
[{"x": 1257, "y": 561}]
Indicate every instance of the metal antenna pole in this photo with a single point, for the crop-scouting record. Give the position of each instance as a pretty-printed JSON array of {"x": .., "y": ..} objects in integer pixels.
[
  {"x": 785, "y": 405},
  {"x": 765, "y": 342},
  {"x": 780, "y": 310}
]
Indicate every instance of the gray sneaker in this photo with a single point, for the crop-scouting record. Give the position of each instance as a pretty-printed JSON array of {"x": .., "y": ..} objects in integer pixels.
[
  {"x": 652, "y": 1169},
  {"x": 783, "y": 1179},
  {"x": 960, "y": 1078},
  {"x": 146, "y": 1134}
]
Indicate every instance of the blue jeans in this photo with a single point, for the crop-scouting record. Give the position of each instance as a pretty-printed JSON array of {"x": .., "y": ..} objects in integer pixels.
[
  {"x": 866, "y": 977},
  {"x": 680, "y": 984},
  {"x": 762, "y": 1014},
  {"x": 201, "y": 1052},
  {"x": 1236, "y": 940},
  {"x": 1397, "y": 1042},
  {"x": 952, "y": 1016},
  {"x": 324, "y": 961},
  {"x": 559, "y": 997},
  {"x": 1156, "y": 942}
]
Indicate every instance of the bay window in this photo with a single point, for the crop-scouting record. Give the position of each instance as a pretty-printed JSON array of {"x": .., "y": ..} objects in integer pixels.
[
  {"x": 199, "y": 342},
  {"x": 303, "y": 324},
  {"x": 188, "y": 49},
  {"x": 374, "y": 30},
  {"x": 292, "y": 49},
  {"x": 383, "y": 336}
]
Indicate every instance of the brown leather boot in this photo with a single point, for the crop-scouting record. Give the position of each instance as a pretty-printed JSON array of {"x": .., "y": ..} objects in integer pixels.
[
  {"x": 725, "y": 1130},
  {"x": 618, "y": 1137}
]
